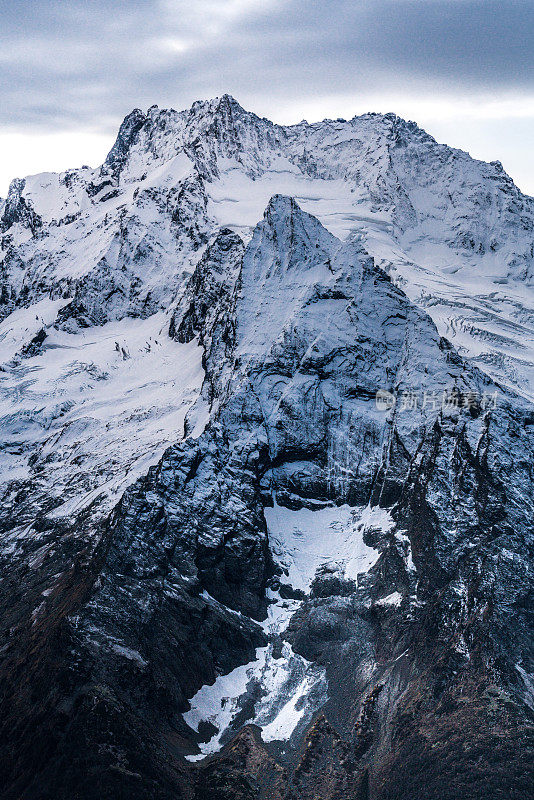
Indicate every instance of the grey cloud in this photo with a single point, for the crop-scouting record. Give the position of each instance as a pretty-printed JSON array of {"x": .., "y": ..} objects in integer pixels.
[{"x": 69, "y": 63}]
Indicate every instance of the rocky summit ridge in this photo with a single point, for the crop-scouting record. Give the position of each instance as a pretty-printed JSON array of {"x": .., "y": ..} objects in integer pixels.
[{"x": 229, "y": 569}]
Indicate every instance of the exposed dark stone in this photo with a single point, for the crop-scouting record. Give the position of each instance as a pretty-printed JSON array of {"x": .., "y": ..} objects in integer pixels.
[
  {"x": 128, "y": 132},
  {"x": 18, "y": 209}
]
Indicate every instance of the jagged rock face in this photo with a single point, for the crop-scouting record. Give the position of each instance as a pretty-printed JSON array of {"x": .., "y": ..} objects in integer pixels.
[
  {"x": 454, "y": 233},
  {"x": 227, "y": 572},
  {"x": 16, "y": 210}
]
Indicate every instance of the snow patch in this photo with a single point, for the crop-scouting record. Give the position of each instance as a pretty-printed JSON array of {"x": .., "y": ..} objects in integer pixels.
[
  {"x": 394, "y": 599},
  {"x": 290, "y": 688},
  {"x": 304, "y": 540}
]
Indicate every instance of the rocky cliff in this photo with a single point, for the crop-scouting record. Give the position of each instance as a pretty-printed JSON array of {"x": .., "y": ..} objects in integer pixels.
[{"x": 266, "y": 529}]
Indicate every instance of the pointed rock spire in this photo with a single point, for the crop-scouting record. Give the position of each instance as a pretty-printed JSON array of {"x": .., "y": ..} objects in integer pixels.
[{"x": 128, "y": 133}]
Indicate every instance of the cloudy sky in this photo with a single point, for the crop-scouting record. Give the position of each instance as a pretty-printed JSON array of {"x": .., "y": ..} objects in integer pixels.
[{"x": 71, "y": 70}]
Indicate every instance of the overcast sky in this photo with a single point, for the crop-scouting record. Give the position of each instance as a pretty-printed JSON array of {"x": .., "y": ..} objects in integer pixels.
[{"x": 71, "y": 70}]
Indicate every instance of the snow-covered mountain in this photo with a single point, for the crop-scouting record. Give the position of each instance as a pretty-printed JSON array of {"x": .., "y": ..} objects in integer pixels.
[{"x": 229, "y": 569}]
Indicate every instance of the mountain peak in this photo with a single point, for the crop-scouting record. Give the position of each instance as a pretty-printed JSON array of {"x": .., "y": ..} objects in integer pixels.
[
  {"x": 128, "y": 131},
  {"x": 222, "y": 104},
  {"x": 229, "y": 101},
  {"x": 281, "y": 204},
  {"x": 284, "y": 207},
  {"x": 289, "y": 238},
  {"x": 225, "y": 400}
]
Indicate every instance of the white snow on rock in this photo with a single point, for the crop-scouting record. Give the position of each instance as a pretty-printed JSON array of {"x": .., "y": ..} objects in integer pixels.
[
  {"x": 528, "y": 681},
  {"x": 96, "y": 408},
  {"x": 291, "y": 687},
  {"x": 19, "y": 328},
  {"x": 304, "y": 540},
  {"x": 88, "y": 408},
  {"x": 488, "y": 316},
  {"x": 237, "y": 201},
  {"x": 394, "y": 599},
  {"x": 219, "y": 703},
  {"x": 121, "y": 240},
  {"x": 453, "y": 232}
]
